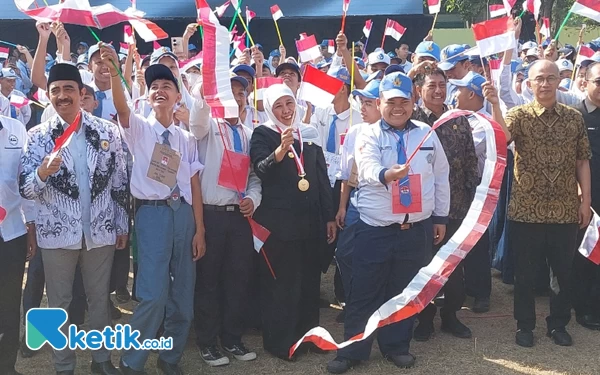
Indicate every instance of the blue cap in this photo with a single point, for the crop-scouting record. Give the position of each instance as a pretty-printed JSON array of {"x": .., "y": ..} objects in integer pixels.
[
  {"x": 396, "y": 85},
  {"x": 392, "y": 55},
  {"x": 377, "y": 75},
  {"x": 371, "y": 90},
  {"x": 392, "y": 69},
  {"x": 95, "y": 48},
  {"x": 325, "y": 43},
  {"x": 365, "y": 75},
  {"x": 341, "y": 74},
  {"x": 514, "y": 64},
  {"x": 8, "y": 73},
  {"x": 83, "y": 44},
  {"x": 472, "y": 81},
  {"x": 546, "y": 43},
  {"x": 275, "y": 53},
  {"x": 565, "y": 84},
  {"x": 243, "y": 81},
  {"x": 244, "y": 68},
  {"x": 192, "y": 47},
  {"x": 451, "y": 55},
  {"x": 476, "y": 60},
  {"x": 323, "y": 63},
  {"x": 360, "y": 62},
  {"x": 160, "y": 53},
  {"x": 428, "y": 49}
]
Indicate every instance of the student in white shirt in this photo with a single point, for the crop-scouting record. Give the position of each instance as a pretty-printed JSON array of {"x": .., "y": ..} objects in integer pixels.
[
  {"x": 169, "y": 221},
  {"x": 395, "y": 232},
  {"x": 8, "y": 79},
  {"x": 224, "y": 273},
  {"x": 17, "y": 240}
]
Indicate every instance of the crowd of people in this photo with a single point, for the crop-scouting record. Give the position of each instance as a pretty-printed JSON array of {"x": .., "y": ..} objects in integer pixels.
[{"x": 147, "y": 174}]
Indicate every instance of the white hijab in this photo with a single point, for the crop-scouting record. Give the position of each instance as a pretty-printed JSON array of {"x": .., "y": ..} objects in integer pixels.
[{"x": 272, "y": 94}]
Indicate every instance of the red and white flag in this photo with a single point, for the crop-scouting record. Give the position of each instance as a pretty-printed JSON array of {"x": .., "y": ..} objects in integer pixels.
[
  {"x": 260, "y": 234},
  {"x": 4, "y": 52},
  {"x": 367, "y": 28},
  {"x": 345, "y": 6},
  {"x": 533, "y": 6},
  {"x": 264, "y": 83},
  {"x": 148, "y": 31},
  {"x": 156, "y": 46},
  {"x": 64, "y": 140},
  {"x": 331, "y": 46},
  {"x": 236, "y": 5},
  {"x": 41, "y": 96},
  {"x": 220, "y": 11},
  {"x": 249, "y": 15},
  {"x": 2, "y": 214},
  {"x": 394, "y": 29},
  {"x": 186, "y": 64},
  {"x": 124, "y": 48},
  {"x": 585, "y": 53},
  {"x": 233, "y": 34},
  {"x": 587, "y": 8},
  {"x": 495, "y": 36},
  {"x": 590, "y": 246},
  {"x": 215, "y": 67},
  {"x": 423, "y": 288},
  {"x": 434, "y": 6},
  {"x": 497, "y": 10},
  {"x": 303, "y": 36},
  {"x": 239, "y": 45},
  {"x": 128, "y": 35},
  {"x": 276, "y": 12},
  {"x": 508, "y": 5},
  {"x": 495, "y": 69},
  {"x": 308, "y": 49},
  {"x": 18, "y": 101},
  {"x": 545, "y": 27},
  {"x": 318, "y": 87}
]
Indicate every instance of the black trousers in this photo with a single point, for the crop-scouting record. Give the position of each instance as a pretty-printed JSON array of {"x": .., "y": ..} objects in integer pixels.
[
  {"x": 290, "y": 303},
  {"x": 119, "y": 274},
  {"x": 454, "y": 289},
  {"x": 222, "y": 277},
  {"x": 478, "y": 269},
  {"x": 12, "y": 267},
  {"x": 585, "y": 283},
  {"x": 529, "y": 242}
]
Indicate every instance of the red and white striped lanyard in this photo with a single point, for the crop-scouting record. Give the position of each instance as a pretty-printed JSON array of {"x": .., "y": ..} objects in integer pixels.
[{"x": 299, "y": 160}]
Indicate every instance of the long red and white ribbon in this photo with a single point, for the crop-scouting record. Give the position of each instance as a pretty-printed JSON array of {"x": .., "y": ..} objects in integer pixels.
[
  {"x": 430, "y": 279},
  {"x": 299, "y": 160}
]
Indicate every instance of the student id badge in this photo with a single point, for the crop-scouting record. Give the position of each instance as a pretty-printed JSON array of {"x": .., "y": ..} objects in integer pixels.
[
  {"x": 234, "y": 171},
  {"x": 164, "y": 165},
  {"x": 334, "y": 166},
  {"x": 414, "y": 188}
]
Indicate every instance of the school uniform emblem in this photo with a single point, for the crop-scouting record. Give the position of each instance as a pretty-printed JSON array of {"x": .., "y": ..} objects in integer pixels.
[
  {"x": 13, "y": 140},
  {"x": 104, "y": 145}
]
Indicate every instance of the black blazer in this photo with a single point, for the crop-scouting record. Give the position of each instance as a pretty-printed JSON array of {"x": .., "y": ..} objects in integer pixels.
[{"x": 291, "y": 214}]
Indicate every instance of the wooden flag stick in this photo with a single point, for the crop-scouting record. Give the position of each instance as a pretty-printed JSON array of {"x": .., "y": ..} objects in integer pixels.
[
  {"x": 278, "y": 33},
  {"x": 434, "y": 21}
]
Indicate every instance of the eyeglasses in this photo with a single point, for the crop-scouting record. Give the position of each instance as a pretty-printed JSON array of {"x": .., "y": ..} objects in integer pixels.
[
  {"x": 540, "y": 80},
  {"x": 595, "y": 81}
]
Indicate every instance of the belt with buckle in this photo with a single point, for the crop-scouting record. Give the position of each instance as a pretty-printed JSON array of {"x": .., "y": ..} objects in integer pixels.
[
  {"x": 228, "y": 208},
  {"x": 157, "y": 202}
]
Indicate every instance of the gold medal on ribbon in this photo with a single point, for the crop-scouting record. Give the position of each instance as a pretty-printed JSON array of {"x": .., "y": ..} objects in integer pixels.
[
  {"x": 303, "y": 184},
  {"x": 291, "y": 155}
]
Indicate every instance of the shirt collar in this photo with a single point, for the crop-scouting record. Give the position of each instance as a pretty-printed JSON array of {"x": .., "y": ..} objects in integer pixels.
[
  {"x": 385, "y": 126},
  {"x": 539, "y": 109},
  {"x": 342, "y": 116},
  {"x": 159, "y": 129},
  {"x": 429, "y": 113},
  {"x": 60, "y": 121},
  {"x": 591, "y": 107}
]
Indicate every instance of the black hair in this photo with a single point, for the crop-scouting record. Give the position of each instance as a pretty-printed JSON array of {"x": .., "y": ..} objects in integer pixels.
[
  {"x": 90, "y": 90},
  {"x": 588, "y": 72},
  {"x": 419, "y": 80}
]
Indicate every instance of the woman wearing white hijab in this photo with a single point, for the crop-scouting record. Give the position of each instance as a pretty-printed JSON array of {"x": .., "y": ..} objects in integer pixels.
[{"x": 297, "y": 208}]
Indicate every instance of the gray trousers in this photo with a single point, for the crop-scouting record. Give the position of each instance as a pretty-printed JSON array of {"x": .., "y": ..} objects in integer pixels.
[{"x": 59, "y": 267}]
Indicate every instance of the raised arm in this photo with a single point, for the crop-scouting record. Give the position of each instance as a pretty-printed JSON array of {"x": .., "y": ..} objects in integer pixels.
[
  {"x": 38, "y": 69},
  {"x": 342, "y": 48},
  {"x": 109, "y": 56}
]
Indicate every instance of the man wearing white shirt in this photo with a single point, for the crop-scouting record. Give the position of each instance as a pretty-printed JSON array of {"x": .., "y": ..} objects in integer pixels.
[
  {"x": 17, "y": 241},
  {"x": 8, "y": 79},
  {"x": 224, "y": 273},
  {"x": 400, "y": 212},
  {"x": 169, "y": 221}
]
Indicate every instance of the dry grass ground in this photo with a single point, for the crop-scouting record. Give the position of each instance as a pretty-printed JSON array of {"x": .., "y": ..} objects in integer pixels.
[{"x": 491, "y": 351}]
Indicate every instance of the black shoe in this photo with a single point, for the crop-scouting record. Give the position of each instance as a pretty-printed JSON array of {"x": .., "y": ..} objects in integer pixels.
[
  {"x": 424, "y": 331},
  {"x": 481, "y": 305},
  {"x": 213, "y": 356},
  {"x": 340, "y": 365},
  {"x": 402, "y": 360},
  {"x": 128, "y": 370},
  {"x": 451, "y": 324},
  {"x": 115, "y": 313},
  {"x": 25, "y": 351},
  {"x": 589, "y": 322},
  {"x": 240, "y": 352},
  {"x": 561, "y": 337},
  {"x": 104, "y": 368},
  {"x": 122, "y": 295},
  {"x": 168, "y": 368},
  {"x": 66, "y": 372},
  {"x": 524, "y": 338},
  {"x": 341, "y": 317}
]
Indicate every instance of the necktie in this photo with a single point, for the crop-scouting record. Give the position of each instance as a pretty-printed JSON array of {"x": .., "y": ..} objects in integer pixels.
[
  {"x": 237, "y": 140},
  {"x": 13, "y": 111},
  {"x": 174, "y": 201},
  {"x": 100, "y": 96},
  {"x": 405, "y": 197},
  {"x": 332, "y": 135}
]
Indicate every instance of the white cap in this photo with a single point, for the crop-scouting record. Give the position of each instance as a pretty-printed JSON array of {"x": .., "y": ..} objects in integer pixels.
[
  {"x": 379, "y": 56},
  {"x": 564, "y": 64},
  {"x": 529, "y": 45},
  {"x": 532, "y": 52}
]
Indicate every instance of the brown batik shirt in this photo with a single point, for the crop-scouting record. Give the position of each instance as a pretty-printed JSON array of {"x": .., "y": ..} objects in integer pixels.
[
  {"x": 548, "y": 144},
  {"x": 457, "y": 140}
]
